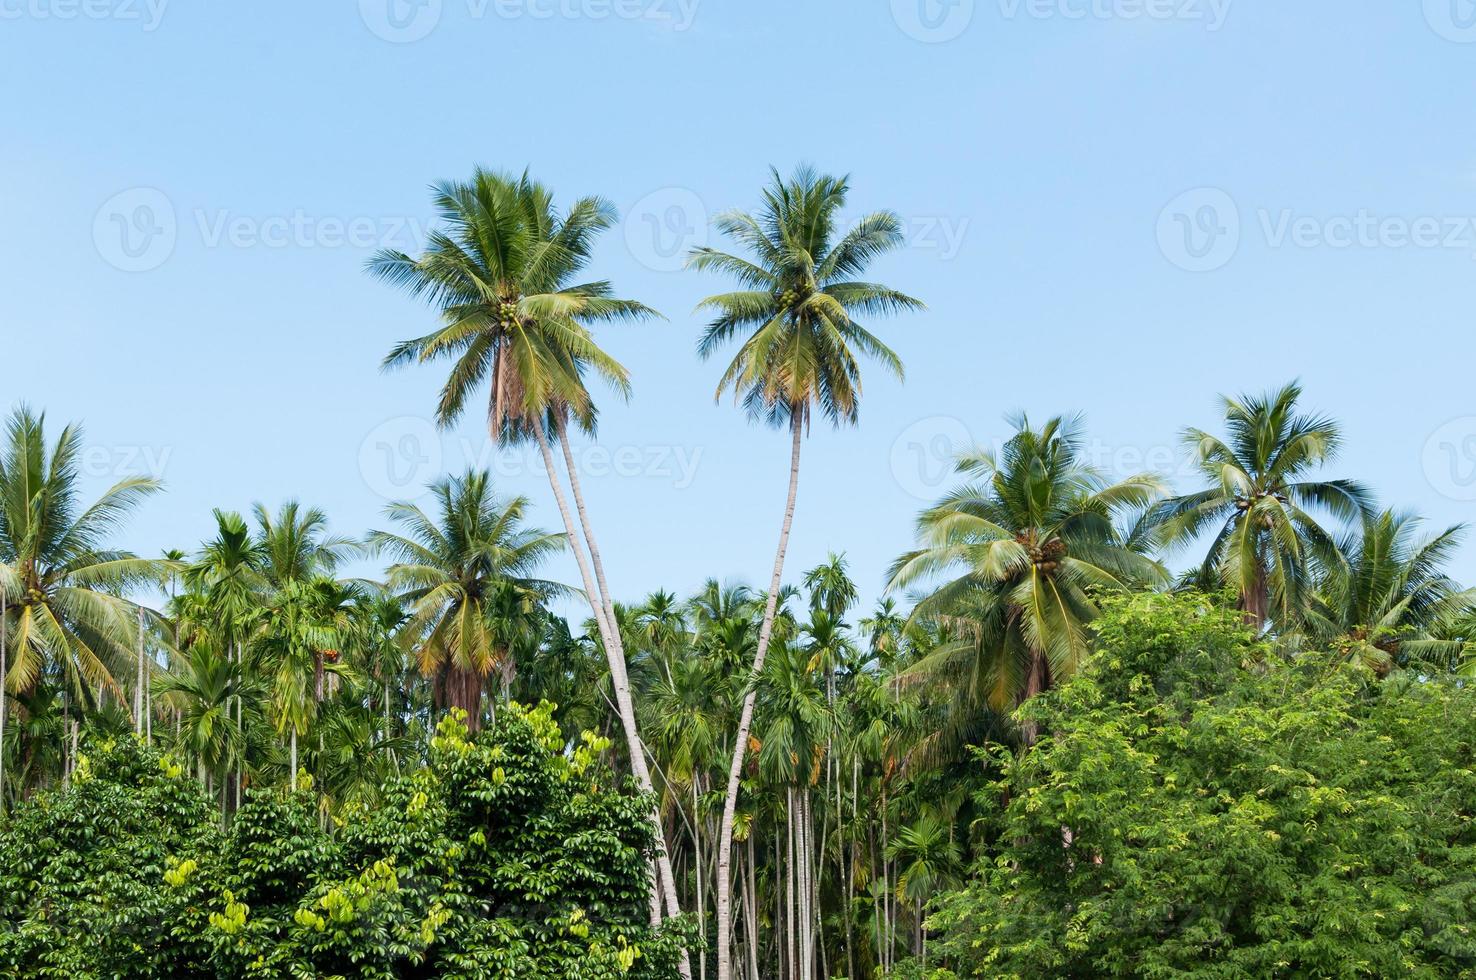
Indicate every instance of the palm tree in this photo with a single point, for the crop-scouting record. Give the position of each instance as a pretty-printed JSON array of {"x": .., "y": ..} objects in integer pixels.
[
  {"x": 503, "y": 274},
  {"x": 204, "y": 692},
  {"x": 1385, "y": 605},
  {"x": 830, "y": 585},
  {"x": 1267, "y": 546},
  {"x": 799, "y": 299},
  {"x": 1021, "y": 548},
  {"x": 451, "y": 569},
  {"x": 69, "y": 620}
]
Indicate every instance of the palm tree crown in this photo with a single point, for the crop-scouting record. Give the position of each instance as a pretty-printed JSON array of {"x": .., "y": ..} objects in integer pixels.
[
  {"x": 1267, "y": 546},
  {"x": 800, "y": 299},
  {"x": 1022, "y": 549},
  {"x": 63, "y": 580},
  {"x": 456, "y": 570},
  {"x": 502, "y": 271}
]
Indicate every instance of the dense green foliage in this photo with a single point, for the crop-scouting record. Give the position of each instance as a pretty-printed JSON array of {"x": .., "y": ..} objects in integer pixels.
[
  {"x": 505, "y": 856},
  {"x": 1206, "y": 807}
]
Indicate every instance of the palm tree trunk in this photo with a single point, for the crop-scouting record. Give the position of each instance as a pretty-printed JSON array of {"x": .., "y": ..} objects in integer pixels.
[
  {"x": 138, "y": 705},
  {"x": 1254, "y": 602},
  {"x": 615, "y": 655},
  {"x": 294, "y": 758},
  {"x": 4, "y": 670},
  {"x": 745, "y": 719}
]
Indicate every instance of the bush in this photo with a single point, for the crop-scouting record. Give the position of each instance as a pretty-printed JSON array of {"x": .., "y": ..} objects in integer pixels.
[
  {"x": 505, "y": 857},
  {"x": 1198, "y": 810}
]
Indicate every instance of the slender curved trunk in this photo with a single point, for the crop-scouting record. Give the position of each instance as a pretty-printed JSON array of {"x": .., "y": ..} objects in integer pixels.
[
  {"x": 745, "y": 718},
  {"x": 620, "y": 681},
  {"x": 4, "y": 670}
]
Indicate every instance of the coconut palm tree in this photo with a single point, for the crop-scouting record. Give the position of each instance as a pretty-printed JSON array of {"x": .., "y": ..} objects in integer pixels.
[
  {"x": 451, "y": 570},
  {"x": 66, "y": 618},
  {"x": 1021, "y": 547},
  {"x": 1388, "y": 602},
  {"x": 1267, "y": 545},
  {"x": 504, "y": 275},
  {"x": 796, "y": 313}
]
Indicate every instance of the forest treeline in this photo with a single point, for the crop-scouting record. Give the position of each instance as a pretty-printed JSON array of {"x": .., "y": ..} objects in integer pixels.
[{"x": 1097, "y": 726}]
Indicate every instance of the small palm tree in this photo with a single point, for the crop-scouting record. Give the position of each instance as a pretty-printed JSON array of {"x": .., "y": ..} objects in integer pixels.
[
  {"x": 1388, "y": 602},
  {"x": 203, "y": 692},
  {"x": 1022, "y": 548},
  {"x": 796, "y": 315},
  {"x": 63, "y": 580},
  {"x": 1267, "y": 544},
  {"x": 451, "y": 569}
]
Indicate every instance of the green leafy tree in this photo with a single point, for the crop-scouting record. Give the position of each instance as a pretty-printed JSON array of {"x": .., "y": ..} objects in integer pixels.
[{"x": 1201, "y": 809}]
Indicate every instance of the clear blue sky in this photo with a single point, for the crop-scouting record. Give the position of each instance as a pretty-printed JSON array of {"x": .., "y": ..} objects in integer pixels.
[{"x": 1120, "y": 207}]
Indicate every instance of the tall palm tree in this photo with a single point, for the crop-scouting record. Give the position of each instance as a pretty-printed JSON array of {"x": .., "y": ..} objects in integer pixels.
[
  {"x": 1021, "y": 548},
  {"x": 796, "y": 314},
  {"x": 451, "y": 569},
  {"x": 504, "y": 274},
  {"x": 64, "y": 581},
  {"x": 1266, "y": 545},
  {"x": 1387, "y": 603}
]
